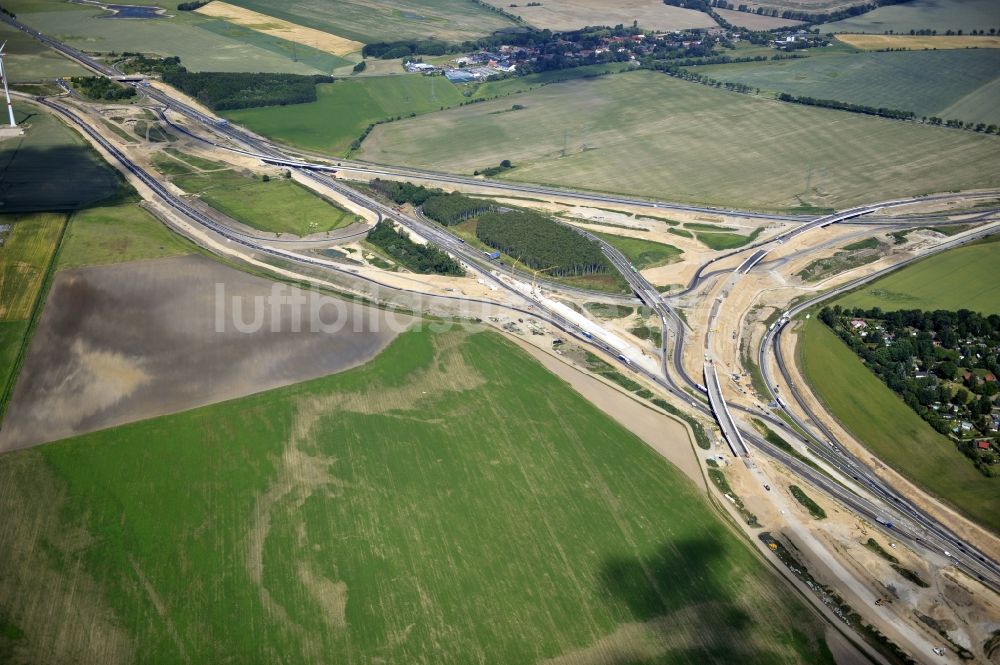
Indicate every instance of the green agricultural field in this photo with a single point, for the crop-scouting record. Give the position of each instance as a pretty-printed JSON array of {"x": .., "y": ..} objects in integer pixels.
[
  {"x": 940, "y": 15},
  {"x": 518, "y": 84},
  {"x": 721, "y": 241},
  {"x": 201, "y": 42},
  {"x": 51, "y": 167},
  {"x": 722, "y": 148},
  {"x": 887, "y": 426},
  {"x": 170, "y": 166},
  {"x": 280, "y": 206},
  {"x": 25, "y": 256},
  {"x": 387, "y": 20},
  {"x": 962, "y": 84},
  {"x": 126, "y": 232},
  {"x": 400, "y": 512},
  {"x": 11, "y": 341},
  {"x": 960, "y": 278},
  {"x": 198, "y": 163},
  {"x": 27, "y": 59},
  {"x": 344, "y": 109},
  {"x": 714, "y": 228},
  {"x": 642, "y": 253}
]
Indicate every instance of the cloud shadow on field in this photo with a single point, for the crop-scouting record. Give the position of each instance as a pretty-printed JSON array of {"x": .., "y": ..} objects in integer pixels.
[
  {"x": 56, "y": 179},
  {"x": 684, "y": 609}
]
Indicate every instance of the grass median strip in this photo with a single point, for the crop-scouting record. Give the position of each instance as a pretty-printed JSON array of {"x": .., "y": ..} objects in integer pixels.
[{"x": 814, "y": 508}]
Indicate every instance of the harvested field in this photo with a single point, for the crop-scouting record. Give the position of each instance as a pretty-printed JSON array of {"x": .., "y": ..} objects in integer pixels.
[
  {"x": 450, "y": 502},
  {"x": 573, "y": 14},
  {"x": 918, "y": 42},
  {"x": 276, "y": 27},
  {"x": 730, "y": 149},
  {"x": 132, "y": 341},
  {"x": 755, "y": 21},
  {"x": 387, "y": 20}
]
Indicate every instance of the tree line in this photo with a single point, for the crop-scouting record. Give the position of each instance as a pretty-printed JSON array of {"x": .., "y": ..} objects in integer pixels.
[
  {"x": 222, "y": 91},
  {"x": 541, "y": 243},
  {"x": 678, "y": 71},
  {"x": 415, "y": 257},
  {"x": 708, "y": 7},
  {"x": 881, "y": 111},
  {"x": 895, "y": 114}
]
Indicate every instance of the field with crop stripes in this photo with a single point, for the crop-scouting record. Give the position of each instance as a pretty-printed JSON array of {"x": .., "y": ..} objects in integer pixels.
[
  {"x": 647, "y": 134},
  {"x": 940, "y": 15},
  {"x": 963, "y": 84},
  {"x": 451, "y": 502}
]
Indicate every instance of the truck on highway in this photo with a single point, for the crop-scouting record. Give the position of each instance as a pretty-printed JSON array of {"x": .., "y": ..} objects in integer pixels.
[
  {"x": 884, "y": 522},
  {"x": 625, "y": 360}
]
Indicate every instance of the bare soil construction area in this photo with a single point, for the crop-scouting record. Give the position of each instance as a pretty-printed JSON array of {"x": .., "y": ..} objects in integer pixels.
[{"x": 121, "y": 343}]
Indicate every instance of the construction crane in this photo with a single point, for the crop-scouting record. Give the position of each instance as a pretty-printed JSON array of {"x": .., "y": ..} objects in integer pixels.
[
  {"x": 513, "y": 264},
  {"x": 534, "y": 276}
]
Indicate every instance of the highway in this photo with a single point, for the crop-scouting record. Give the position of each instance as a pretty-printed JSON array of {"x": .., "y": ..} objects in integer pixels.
[
  {"x": 907, "y": 519},
  {"x": 927, "y": 532},
  {"x": 730, "y": 431},
  {"x": 825, "y": 445}
]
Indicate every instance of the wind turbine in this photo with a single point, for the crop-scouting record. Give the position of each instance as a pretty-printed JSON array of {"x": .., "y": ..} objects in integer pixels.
[{"x": 3, "y": 75}]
